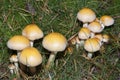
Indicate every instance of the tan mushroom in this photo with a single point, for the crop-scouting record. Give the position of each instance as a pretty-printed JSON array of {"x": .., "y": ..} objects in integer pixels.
[
  {"x": 11, "y": 68},
  {"x": 32, "y": 32},
  {"x": 30, "y": 57},
  {"x": 54, "y": 42},
  {"x": 18, "y": 43},
  {"x": 107, "y": 20},
  {"x": 92, "y": 45},
  {"x": 106, "y": 38},
  {"x": 86, "y": 15},
  {"x": 83, "y": 34}
]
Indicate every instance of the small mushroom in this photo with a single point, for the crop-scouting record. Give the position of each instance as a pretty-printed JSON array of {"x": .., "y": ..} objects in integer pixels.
[
  {"x": 106, "y": 20},
  {"x": 30, "y": 57},
  {"x": 95, "y": 27},
  {"x": 32, "y": 32},
  {"x": 99, "y": 36},
  {"x": 92, "y": 45},
  {"x": 54, "y": 42},
  {"x": 83, "y": 34},
  {"x": 106, "y": 38},
  {"x": 11, "y": 68},
  {"x": 86, "y": 15},
  {"x": 14, "y": 60}
]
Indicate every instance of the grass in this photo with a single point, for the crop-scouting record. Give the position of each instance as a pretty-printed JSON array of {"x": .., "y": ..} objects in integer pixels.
[{"x": 60, "y": 16}]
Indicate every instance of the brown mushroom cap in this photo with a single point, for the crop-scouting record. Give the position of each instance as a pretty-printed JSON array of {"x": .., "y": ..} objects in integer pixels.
[
  {"x": 92, "y": 45},
  {"x": 54, "y": 42},
  {"x": 107, "y": 20},
  {"x": 84, "y": 33},
  {"x": 31, "y": 57},
  {"x": 32, "y": 32},
  {"x": 86, "y": 15},
  {"x": 18, "y": 42}
]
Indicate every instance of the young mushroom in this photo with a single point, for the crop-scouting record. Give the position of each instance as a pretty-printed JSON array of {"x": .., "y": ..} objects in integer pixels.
[
  {"x": 95, "y": 27},
  {"x": 30, "y": 57},
  {"x": 54, "y": 42},
  {"x": 99, "y": 36},
  {"x": 106, "y": 20},
  {"x": 14, "y": 60},
  {"x": 83, "y": 34},
  {"x": 11, "y": 68},
  {"x": 106, "y": 38},
  {"x": 32, "y": 32},
  {"x": 92, "y": 45},
  {"x": 86, "y": 15}
]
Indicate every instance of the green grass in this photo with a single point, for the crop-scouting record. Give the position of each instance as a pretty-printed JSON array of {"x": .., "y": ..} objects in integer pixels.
[{"x": 60, "y": 16}]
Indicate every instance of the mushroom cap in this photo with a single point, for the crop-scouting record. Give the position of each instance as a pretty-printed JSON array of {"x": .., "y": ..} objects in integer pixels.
[
  {"x": 18, "y": 42},
  {"x": 95, "y": 27},
  {"x": 11, "y": 66},
  {"x": 107, "y": 20},
  {"x": 84, "y": 33},
  {"x": 99, "y": 36},
  {"x": 32, "y": 32},
  {"x": 86, "y": 15},
  {"x": 54, "y": 42},
  {"x": 30, "y": 57},
  {"x": 14, "y": 58},
  {"x": 105, "y": 38},
  {"x": 92, "y": 45}
]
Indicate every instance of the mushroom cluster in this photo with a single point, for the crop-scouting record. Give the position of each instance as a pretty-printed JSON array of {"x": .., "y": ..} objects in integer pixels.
[
  {"x": 90, "y": 35},
  {"x": 27, "y": 55}
]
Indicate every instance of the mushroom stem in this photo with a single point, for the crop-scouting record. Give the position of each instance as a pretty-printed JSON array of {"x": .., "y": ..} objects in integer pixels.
[
  {"x": 18, "y": 53},
  {"x": 51, "y": 60},
  {"x": 89, "y": 55},
  {"x": 85, "y": 25},
  {"x": 92, "y": 35},
  {"x": 12, "y": 71},
  {"x": 31, "y": 43},
  {"x": 16, "y": 64},
  {"x": 79, "y": 44}
]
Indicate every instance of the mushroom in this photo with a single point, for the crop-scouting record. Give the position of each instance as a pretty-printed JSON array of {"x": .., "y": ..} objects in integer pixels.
[
  {"x": 106, "y": 38},
  {"x": 32, "y": 32},
  {"x": 106, "y": 20},
  {"x": 18, "y": 43},
  {"x": 92, "y": 45},
  {"x": 30, "y": 57},
  {"x": 86, "y": 15},
  {"x": 11, "y": 68},
  {"x": 83, "y": 34},
  {"x": 95, "y": 27},
  {"x": 54, "y": 42},
  {"x": 99, "y": 36},
  {"x": 14, "y": 59}
]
